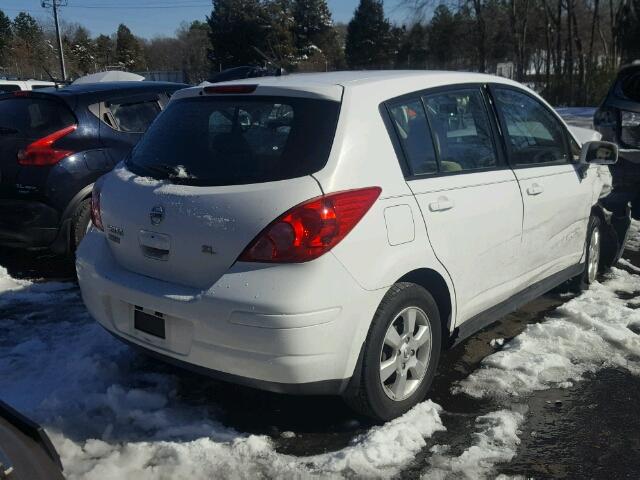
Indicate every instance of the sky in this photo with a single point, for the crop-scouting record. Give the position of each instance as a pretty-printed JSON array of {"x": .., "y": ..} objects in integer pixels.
[{"x": 151, "y": 18}]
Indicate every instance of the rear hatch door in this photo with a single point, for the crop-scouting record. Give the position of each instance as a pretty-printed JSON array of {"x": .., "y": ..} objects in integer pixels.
[{"x": 208, "y": 176}]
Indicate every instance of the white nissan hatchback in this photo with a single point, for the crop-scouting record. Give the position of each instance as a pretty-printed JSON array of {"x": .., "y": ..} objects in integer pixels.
[{"x": 333, "y": 233}]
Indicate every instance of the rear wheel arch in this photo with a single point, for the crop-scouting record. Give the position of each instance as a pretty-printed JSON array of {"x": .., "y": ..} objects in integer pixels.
[
  {"x": 436, "y": 285},
  {"x": 64, "y": 243}
]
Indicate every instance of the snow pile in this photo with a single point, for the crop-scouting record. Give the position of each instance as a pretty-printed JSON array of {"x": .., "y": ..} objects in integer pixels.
[
  {"x": 380, "y": 451},
  {"x": 593, "y": 333},
  {"x": 110, "y": 417},
  {"x": 495, "y": 442},
  {"x": 633, "y": 239}
]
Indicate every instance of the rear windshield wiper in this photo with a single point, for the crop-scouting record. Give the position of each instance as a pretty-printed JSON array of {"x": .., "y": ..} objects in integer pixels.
[
  {"x": 161, "y": 168},
  {"x": 175, "y": 173}
]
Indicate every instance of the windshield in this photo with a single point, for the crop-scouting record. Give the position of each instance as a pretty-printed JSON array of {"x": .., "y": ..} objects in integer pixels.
[{"x": 237, "y": 140}]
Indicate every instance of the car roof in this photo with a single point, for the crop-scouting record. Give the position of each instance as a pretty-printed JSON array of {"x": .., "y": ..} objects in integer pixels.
[{"x": 393, "y": 83}]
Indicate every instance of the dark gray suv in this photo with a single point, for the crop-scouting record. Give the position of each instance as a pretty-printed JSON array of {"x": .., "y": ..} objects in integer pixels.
[{"x": 618, "y": 119}]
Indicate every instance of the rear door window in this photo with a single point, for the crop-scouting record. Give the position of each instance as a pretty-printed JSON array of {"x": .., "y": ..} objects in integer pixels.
[
  {"x": 237, "y": 140},
  {"x": 534, "y": 135},
  {"x": 32, "y": 117},
  {"x": 410, "y": 123},
  {"x": 134, "y": 117},
  {"x": 461, "y": 130}
]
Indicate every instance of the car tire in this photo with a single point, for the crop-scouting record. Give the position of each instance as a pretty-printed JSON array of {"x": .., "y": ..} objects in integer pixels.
[
  {"x": 397, "y": 369},
  {"x": 593, "y": 257},
  {"x": 80, "y": 223}
]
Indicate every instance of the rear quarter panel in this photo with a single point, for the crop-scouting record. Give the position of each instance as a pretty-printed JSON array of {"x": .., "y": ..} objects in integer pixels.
[{"x": 363, "y": 156}]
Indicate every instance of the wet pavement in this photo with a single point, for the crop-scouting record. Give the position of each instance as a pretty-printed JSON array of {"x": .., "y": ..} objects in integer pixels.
[{"x": 590, "y": 430}]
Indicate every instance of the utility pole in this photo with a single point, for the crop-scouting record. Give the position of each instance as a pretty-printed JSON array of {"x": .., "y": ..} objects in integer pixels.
[{"x": 55, "y": 4}]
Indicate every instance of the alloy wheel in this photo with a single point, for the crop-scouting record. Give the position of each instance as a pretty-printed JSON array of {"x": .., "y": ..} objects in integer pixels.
[{"x": 405, "y": 353}]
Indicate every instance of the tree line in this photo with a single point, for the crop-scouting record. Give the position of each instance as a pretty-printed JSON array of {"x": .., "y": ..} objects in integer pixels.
[
  {"x": 566, "y": 49},
  {"x": 28, "y": 50}
]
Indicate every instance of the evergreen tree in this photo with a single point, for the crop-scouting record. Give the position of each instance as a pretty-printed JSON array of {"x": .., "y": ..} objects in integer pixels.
[
  {"x": 442, "y": 36},
  {"x": 314, "y": 32},
  {"x": 279, "y": 26},
  {"x": 105, "y": 55},
  {"x": 236, "y": 27},
  {"x": 28, "y": 44},
  {"x": 6, "y": 37},
  {"x": 82, "y": 51},
  {"x": 412, "y": 51},
  {"x": 369, "y": 42},
  {"x": 128, "y": 49}
]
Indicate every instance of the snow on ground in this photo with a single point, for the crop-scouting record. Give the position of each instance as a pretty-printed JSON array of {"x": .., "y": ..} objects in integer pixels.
[
  {"x": 495, "y": 441},
  {"x": 593, "y": 331},
  {"x": 112, "y": 418}
]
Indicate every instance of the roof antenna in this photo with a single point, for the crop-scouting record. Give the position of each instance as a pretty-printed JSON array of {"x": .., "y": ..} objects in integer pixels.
[{"x": 56, "y": 83}]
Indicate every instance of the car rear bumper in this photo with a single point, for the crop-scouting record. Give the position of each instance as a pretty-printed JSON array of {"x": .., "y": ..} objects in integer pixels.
[
  {"x": 290, "y": 329},
  {"x": 27, "y": 224}
]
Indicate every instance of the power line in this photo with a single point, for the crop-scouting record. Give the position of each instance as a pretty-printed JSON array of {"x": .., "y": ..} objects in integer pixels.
[{"x": 140, "y": 7}]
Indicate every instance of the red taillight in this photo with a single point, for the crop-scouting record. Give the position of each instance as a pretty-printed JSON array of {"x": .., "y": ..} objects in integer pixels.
[
  {"x": 42, "y": 152},
  {"x": 230, "y": 89},
  {"x": 96, "y": 216},
  {"x": 312, "y": 228}
]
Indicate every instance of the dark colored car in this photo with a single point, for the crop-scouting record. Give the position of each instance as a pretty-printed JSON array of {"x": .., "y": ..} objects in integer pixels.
[
  {"x": 618, "y": 119},
  {"x": 55, "y": 143}
]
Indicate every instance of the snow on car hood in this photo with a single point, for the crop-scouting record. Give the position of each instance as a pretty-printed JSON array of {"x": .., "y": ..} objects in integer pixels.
[{"x": 111, "y": 417}]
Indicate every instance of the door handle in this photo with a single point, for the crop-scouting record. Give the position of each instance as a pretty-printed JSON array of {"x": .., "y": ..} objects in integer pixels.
[
  {"x": 535, "y": 189},
  {"x": 441, "y": 205}
]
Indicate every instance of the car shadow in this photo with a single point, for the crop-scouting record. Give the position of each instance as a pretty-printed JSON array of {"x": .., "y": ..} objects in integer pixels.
[{"x": 298, "y": 425}]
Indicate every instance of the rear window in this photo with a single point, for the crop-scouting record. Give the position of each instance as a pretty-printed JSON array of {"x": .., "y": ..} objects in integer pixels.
[
  {"x": 629, "y": 86},
  {"x": 237, "y": 140},
  {"x": 134, "y": 117},
  {"x": 33, "y": 117}
]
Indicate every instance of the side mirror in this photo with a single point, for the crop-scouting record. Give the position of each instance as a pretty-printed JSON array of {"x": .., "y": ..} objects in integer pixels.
[{"x": 599, "y": 153}]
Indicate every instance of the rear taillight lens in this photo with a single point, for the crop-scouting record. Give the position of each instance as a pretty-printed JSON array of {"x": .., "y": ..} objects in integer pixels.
[
  {"x": 312, "y": 228},
  {"x": 96, "y": 216},
  {"x": 42, "y": 152}
]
